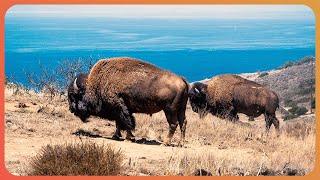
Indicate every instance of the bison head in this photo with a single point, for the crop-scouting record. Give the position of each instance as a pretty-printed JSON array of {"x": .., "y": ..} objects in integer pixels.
[
  {"x": 198, "y": 98},
  {"x": 76, "y": 92}
]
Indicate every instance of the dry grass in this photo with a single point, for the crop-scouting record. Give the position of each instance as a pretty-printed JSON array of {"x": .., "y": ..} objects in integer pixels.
[
  {"x": 215, "y": 145},
  {"x": 241, "y": 149},
  {"x": 76, "y": 159}
]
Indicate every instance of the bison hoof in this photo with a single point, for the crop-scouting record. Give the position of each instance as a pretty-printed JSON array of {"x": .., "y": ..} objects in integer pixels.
[
  {"x": 164, "y": 145},
  {"x": 180, "y": 144},
  {"x": 115, "y": 137},
  {"x": 130, "y": 139}
]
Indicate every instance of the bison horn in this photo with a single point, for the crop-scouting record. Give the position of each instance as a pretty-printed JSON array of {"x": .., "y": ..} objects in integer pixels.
[
  {"x": 75, "y": 87},
  {"x": 197, "y": 91}
]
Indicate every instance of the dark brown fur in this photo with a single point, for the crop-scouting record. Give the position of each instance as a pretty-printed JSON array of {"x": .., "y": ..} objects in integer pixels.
[
  {"x": 118, "y": 87},
  {"x": 227, "y": 95}
]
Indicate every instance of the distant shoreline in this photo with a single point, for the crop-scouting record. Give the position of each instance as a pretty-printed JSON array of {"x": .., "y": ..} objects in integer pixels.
[{"x": 193, "y": 65}]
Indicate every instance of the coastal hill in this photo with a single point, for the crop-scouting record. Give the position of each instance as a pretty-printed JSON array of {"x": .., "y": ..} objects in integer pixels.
[{"x": 294, "y": 82}]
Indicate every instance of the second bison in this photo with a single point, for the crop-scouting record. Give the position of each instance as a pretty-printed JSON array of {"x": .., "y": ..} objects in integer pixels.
[
  {"x": 227, "y": 95},
  {"x": 116, "y": 88}
]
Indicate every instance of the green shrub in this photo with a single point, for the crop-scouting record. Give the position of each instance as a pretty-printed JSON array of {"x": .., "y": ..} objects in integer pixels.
[
  {"x": 303, "y": 60},
  {"x": 76, "y": 159},
  {"x": 298, "y": 111},
  {"x": 306, "y": 59},
  {"x": 288, "y": 64},
  {"x": 289, "y": 116},
  {"x": 263, "y": 74},
  {"x": 305, "y": 91}
]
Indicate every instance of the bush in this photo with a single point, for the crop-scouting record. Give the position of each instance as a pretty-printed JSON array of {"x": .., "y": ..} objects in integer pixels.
[
  {"x": 288, "y": 64},
  {"x": 55, "y": 81},
  {"x": 305, "y": 91},
  {"x": 289, "y": 116},
  {"x": 306, "y": 59},
  {"x": 76, "y": 159},
  {"x": 298, "y": 111},
  {"x": 263, "y": 74},
  {"x": 303, "y": 60}
]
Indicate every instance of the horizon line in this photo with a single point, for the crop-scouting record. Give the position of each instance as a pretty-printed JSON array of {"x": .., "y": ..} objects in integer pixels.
[{"x": 298, "y": 12}]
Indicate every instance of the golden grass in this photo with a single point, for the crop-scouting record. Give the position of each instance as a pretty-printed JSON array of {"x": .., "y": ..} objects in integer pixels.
[
  {"x": 215, "y": 145},
  {"x": 235, "y": 149}
]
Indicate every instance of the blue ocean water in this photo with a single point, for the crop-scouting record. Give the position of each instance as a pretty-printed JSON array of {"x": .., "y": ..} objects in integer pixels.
[{"x": 193, "y": 48}]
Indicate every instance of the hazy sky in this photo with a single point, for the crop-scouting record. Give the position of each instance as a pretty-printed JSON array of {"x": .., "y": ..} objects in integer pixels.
[{"x": 166, "y": 11}]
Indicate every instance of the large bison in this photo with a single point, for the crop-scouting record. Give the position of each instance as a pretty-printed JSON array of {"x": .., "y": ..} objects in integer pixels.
[
  {"x": 116, "y": 88},
  {"x": 227, "y": 95}
]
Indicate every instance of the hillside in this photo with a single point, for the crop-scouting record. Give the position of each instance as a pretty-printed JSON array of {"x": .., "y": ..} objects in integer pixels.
[{"x": 295, "y": 82}]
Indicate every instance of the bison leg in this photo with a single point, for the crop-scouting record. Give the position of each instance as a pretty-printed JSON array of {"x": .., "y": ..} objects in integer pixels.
[
  {"x": 271, "y": 119},
  {"x": 117, "y": 134},
  {"x": 233, "y": 115},
  {"x": 183, "y": 125},
  {"x": 276, "y": 124},
  {"x": 172, "y": 119},
  {"x": 130, "y": 136},
  {"x": 124, "y": 119},
  {"x": 229, "y": 113},
  {"x": 268, "y": 120}
]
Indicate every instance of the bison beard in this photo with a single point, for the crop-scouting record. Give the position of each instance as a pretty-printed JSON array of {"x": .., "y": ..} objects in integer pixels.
[
  {"x": 118, "y": 87},
  {"x": 226, "y": 95}
]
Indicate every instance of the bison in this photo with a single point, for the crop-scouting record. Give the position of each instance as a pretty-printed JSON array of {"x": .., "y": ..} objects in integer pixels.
[
  {"x": 116, "y": 88},
  {"x": 226, "y": 95}
]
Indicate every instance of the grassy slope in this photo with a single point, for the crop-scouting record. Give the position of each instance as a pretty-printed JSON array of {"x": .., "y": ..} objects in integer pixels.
[{"x": 213, "y": 144}]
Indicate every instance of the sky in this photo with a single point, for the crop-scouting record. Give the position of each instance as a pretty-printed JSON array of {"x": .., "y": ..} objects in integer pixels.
[{"x": 165, "y": 11}]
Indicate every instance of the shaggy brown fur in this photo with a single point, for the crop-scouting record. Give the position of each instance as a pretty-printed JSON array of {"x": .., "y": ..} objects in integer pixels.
[
  {"x": 118, "y": 87},
  {"x": 220, "y": 88},
  {"x": 227, "y": 95}
]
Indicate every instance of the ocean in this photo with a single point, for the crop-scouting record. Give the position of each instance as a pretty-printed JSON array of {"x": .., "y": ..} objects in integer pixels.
[{"x": 193, "y": 48}]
